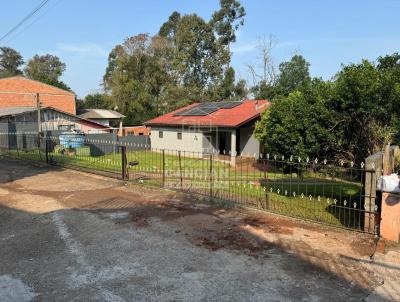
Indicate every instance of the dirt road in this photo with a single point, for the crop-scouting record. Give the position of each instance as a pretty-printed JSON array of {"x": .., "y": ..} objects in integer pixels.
[{"x": 71, "y": 236}]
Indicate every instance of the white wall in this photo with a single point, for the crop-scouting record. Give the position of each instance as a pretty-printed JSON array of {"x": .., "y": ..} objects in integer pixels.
[
  {"x": 191, "y": 140},
  {"x": 249, "y": 145}
]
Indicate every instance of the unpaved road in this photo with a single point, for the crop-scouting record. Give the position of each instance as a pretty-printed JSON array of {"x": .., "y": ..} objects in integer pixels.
[{"x": 70, "y": 236}]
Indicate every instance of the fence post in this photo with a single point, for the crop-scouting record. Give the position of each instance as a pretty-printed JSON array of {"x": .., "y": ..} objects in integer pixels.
[
  {"x": 373, "y": 170},
  {"x": 211, "y": 178},
  {"x": 124, "y": 171},
  {"x": 163, "y": 168}
]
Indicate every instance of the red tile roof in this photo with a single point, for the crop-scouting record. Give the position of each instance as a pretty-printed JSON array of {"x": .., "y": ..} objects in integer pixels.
[
  {"x": 233, "y": 117},
  {"x": 21, "y": 92}
]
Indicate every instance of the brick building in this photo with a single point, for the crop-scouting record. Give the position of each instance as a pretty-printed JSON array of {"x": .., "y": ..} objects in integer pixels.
[
  {"x": 21, "y": 92},
  {"x": 136, "y": 130}
]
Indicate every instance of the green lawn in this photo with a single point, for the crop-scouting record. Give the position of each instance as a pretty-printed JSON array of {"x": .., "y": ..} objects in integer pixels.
[{"x": 319, "y": 196}]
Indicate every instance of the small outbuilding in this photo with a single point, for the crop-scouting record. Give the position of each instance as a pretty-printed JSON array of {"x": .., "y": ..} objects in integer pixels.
[
  {"x": 101, "y": 116},
  {"x": 26, "y": 120}
]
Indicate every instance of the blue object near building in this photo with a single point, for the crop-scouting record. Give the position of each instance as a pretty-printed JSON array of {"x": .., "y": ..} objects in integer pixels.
[{"x": 71, "y": 140}]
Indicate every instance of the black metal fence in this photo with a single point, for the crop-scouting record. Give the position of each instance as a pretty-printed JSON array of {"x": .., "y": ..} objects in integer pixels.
[{"x": 334, "y": 193}]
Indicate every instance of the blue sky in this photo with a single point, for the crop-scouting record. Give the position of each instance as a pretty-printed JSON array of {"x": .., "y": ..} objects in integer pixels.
[{"x": 328, "y": 33}]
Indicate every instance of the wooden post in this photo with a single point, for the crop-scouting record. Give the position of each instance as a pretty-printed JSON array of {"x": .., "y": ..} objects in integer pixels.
[
  {"x": 386, "y": 161},
  {"x": 373, "y": 170}
]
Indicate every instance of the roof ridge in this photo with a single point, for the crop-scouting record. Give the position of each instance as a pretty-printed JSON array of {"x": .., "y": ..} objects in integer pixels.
[{"x": 36, "y": 81}]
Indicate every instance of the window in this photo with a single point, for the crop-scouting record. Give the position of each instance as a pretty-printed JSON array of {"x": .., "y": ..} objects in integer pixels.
[
  {"x": 179, "y": 135},
  {"x": 160, "y": 134}
]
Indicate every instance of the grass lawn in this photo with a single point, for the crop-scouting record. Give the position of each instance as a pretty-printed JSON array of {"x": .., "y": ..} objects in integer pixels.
[{"x": 317, "y": 196}]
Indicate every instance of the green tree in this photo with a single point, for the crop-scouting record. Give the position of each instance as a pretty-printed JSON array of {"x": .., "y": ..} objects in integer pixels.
[
  {"x": 241, "y": 90},
  {"x": 10, "y": 62},
  {"x": 389, "y": 67},
  {"x": 97, "y": 101},
  {"x": 300, "y": 124},
  {"x": 227, "y": 20},
  {"x": 169, "y": 28},
  {"x": 229, "y": 89},
  {"x": 198, "y": 58},
  {"x": 47, "y": 69},
  {"x": 201, "y": 56},
  {"x": 137, "y": 73},
  {"x": 265, "y": 91},
  {"x": 365, "y": 99},
  {"x": 187, "y": 61},
  {"x": 293, "y": 75}
]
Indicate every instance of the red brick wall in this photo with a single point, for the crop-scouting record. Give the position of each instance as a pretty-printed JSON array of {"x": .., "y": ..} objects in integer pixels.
[
  {"x": 143, "y": 130},
  {"x": 20, "y": 92}
]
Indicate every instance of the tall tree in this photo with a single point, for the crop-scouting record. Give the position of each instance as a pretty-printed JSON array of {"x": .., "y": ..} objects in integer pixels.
[
  {"x": 96, "y": 100},
  {"x": 198, "y": 57},
  {"x": 227, "y": 20},
  {"x": 10, "y": 62},
  {"x": 137, "y": 73},
  {"x": 169, "y": 28},
  {"x": 293, "y": 75},
  {"x": 389, "y": 68},
  {"x": 47, "y": 69},
  {"x": 186, "y": 61}
]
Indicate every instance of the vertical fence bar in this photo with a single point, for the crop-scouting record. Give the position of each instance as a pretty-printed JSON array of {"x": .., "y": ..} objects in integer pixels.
[
  {"x": 124, "y": 164},
  {"x": 163, "y": 167},
  {"x": 47, "y": 149},
  {"x": 180, "y": 169},
  {"x": 211, "y": 178}
]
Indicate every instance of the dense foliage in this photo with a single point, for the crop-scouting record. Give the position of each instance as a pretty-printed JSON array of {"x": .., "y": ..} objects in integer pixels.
[
  {"x": 188, "y": 60},
  {"x": 350, "y": 117},
  {"x": 10, "y": 62},
  {"x": 47, "y": 69}
]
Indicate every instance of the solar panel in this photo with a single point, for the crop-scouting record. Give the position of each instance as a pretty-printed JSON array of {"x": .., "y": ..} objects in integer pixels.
[
  {"x": 207, "y": 108},
  {"x": 228, "y": 104}
]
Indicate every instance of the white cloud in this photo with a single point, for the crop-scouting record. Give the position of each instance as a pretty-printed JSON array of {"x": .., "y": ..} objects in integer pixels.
[
  {"x": 244, "y": 48},
  {"x": 82, "y": 49}
]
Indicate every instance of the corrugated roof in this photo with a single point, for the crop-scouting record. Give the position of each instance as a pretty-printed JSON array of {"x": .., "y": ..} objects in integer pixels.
[
  {"x": 15, "y": 110},
  {"x": 12, "y": 111},
  {"x": 231, "y": 117},
  {"x": 99, "y": 114}
]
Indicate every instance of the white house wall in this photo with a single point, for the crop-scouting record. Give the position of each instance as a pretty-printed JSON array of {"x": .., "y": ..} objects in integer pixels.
[
  {"x": 249, "y": 145},
  {"x": 191, "y": 141}
]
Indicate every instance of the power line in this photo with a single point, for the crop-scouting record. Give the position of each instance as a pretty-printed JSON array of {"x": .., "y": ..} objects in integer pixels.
[
  {"x": 23, "y": 29},
  {"x": 26, "y": 18}
]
